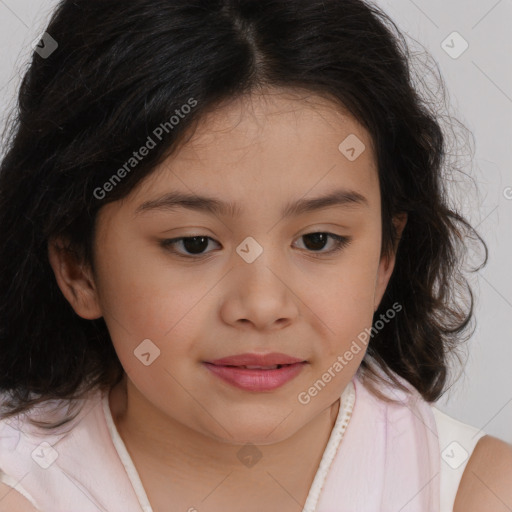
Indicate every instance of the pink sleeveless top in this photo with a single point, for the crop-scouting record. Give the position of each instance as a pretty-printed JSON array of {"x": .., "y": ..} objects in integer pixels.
[{"x": 380, "y": 457}]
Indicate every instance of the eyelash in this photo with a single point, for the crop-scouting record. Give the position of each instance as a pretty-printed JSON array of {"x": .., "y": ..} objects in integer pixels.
[{"x": 340, "y": 243}]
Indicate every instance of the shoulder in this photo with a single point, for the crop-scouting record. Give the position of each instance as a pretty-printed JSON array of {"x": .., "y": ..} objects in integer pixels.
[
  {"x": 486, "y": 483},
  {"x": 11, "y": 499}
]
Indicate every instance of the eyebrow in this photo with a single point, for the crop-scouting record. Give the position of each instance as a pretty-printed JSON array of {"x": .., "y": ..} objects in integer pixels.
[{"x": 176, "y": 200}]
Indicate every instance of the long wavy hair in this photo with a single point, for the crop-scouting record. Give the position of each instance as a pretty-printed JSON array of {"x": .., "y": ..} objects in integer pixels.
[{"x": 124, "y": 67}]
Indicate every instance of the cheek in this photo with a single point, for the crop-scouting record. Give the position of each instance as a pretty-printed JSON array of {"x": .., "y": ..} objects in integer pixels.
[
  {"x": 143, "y": 299},
  {"x": 160, "y": 308},
  {"x": 344, "y": 300}
]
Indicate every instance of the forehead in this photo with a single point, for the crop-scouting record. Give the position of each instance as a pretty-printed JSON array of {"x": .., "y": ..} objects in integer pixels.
[
  {"x": 270, "y": 145},
  {"x": 280, "y": 122}
]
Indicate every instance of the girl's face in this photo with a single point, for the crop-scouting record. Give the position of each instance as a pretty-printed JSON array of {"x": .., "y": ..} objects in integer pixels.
[{"x": 257, "y": 280}]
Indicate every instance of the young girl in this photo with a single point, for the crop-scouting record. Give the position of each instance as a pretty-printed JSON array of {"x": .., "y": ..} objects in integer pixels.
[{"x": 230, "y": 271}]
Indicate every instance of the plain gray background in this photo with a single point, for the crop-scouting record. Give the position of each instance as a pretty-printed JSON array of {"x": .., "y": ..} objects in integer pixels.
[{"x": 479, "y": 86}]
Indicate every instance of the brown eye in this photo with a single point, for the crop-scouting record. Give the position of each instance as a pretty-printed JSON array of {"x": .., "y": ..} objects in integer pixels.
[
  {"x": 315, "y": 242},
  {"x": 192, "y": 245}
]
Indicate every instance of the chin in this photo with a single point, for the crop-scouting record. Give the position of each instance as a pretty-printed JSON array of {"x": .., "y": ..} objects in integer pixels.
[{"x": 257, "y": 432}]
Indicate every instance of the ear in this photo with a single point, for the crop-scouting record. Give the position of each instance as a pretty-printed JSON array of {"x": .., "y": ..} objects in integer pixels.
[
  {"x": 387, "y": 264},
  {"x": 75, "y": 280}
]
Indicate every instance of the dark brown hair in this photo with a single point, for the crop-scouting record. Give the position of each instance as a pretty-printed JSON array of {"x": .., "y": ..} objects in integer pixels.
[{"x": 123, "y": 68}]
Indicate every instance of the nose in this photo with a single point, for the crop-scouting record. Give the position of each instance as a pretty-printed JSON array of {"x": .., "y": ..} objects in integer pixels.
[{"x": 260, "y": 297}]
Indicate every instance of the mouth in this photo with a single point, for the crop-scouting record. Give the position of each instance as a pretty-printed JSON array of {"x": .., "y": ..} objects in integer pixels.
[
  {"x": 256, "y": 377},
  {"x": 258, "y": 361},
  {"x": 247, "y": 367}
]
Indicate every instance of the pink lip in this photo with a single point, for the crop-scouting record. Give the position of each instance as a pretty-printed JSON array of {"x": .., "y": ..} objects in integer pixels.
[
  {"x": 256, "y": 379},
  {"x": 229, "y": 369}
]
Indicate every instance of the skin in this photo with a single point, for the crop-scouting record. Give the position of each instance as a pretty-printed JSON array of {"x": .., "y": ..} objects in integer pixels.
[
  {"x": 180, "y": 423},
  {"x": 487, "y": 480}
]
